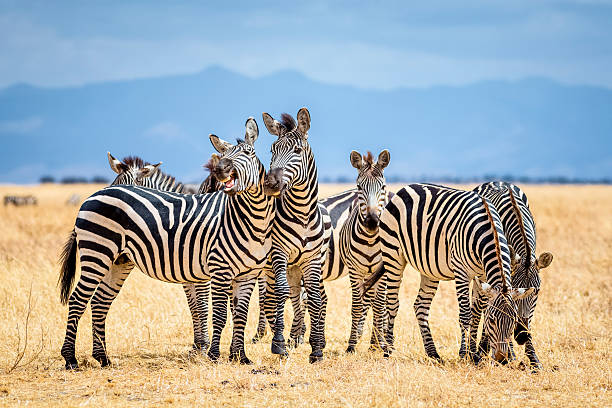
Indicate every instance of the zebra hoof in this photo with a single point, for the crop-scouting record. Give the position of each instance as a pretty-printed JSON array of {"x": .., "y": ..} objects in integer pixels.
[
  {"x": 278, "y": 345},
  {"x": 213, "y": 355},
  {"x": 350, "y": 349},
  {"x": 72, "y": 364},
  {"x": 103, "y": 360},
  {"x": 240, "y": 357},
  {"x": 294, "y": 342},
  {"x": 315, "y": 356}
]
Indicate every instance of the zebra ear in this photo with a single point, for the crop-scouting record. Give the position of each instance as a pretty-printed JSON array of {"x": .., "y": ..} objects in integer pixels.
[
  {"x": 147, "y": 171},
  {"x": 252, "y": 131},
  {"x": 486, "y": 289},
  {"x": 544, "y": 260},
  {"x": 116, "y": 165},
  {"x": 520, "y": 293},
  {"x": 383, "y": 159},
  {"x": 356, "y": 159},
  {"x": 303, "y": 121},
  {"x": 515, "y": 259},
  {"x": 272, "y": 125},
  {"x": 220, "y": 145}
]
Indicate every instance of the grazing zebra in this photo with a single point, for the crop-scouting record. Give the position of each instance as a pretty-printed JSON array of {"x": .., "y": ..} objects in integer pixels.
[
  {"x": 448, "y": 234},
  {"x": 18, "y": 201},
  {"x": 360, "y": 245},
  {"x": 519, "y": 226},
  {"x": 298, "y": 231},
  {"x": 224, "y": 237}
]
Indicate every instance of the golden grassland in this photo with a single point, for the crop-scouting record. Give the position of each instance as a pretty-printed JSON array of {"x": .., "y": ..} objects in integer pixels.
[{"x": 149, "y": 329}]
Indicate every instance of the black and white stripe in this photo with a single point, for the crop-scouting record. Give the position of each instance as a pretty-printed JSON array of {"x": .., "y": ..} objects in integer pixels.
[
  {"x": 448, "y": 234},
  {"x": 360, "y": 245},
  {"x": 224, "y": 237},
  {"x": 298, "y": 231},
  {"x": 519, "y": 226}
]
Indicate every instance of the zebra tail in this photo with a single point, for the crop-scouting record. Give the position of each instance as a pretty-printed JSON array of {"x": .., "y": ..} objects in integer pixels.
[
  {"x": 372, "y": 279},
  {"x": 68, "y": 267}
]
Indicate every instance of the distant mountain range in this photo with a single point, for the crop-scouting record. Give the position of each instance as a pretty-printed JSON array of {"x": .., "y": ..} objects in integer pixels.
[{"x": 530, "y": 128}]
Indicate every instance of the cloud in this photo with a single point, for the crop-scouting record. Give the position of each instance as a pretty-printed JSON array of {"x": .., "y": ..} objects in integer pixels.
[
  {"x": 168, "y": 131},
  {"x": 21, "y": 126}
]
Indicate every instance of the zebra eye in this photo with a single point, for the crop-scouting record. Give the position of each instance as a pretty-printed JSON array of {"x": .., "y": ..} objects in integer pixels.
[{"x": 297, "y": 149}]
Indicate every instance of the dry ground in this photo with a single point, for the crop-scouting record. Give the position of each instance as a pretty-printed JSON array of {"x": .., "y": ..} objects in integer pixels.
[{"x": 149, "y": 331}]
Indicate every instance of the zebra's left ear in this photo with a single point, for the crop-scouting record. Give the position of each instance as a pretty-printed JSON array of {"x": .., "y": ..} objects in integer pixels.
[
  {"x": 303, "y": 121},
  {"x": 487, "y": 290},
  {"x": 147, "y": 171},
  {"x": 252, "y": 131},
  {"x": 520, "y": 293},
  {"x": 383, "y": 159},
  {"x": 220, "y": 145}
]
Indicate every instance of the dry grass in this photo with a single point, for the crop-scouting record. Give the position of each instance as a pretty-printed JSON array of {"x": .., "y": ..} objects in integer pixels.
[{"x": 149, "y": 333}]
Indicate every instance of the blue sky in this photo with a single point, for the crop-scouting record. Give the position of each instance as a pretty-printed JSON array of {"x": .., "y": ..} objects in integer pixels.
[{"x": 382, "y": 46}]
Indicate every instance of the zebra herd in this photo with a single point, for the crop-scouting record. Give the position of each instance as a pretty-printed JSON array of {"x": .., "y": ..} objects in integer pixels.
[{"x": 248, "y": 226}]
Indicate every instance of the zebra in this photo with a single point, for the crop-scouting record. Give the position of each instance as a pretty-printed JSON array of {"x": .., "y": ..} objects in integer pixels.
[
  {"x": 298, "y": 231},
  {"x": 447, "y": 234},
  {"x": 132, "y": 170},
  {"x": 224, "y": 237},
  {"x": 360, "y": 244},
  {"x": 18, "y": 201},
  {"x": 519, "y": 227},
  {"x": 335, "y": 210}
]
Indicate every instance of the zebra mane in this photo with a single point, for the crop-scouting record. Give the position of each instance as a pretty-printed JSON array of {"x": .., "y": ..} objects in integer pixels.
[
  {"x": 368, "y": 159},
  {"x": 519, "y": 216},
  {"x": 497, "y": 247},
  {"x": 211, "y": 163},
  {"x": 288, "y": 122},
  {"x": 134, "y": 161}
]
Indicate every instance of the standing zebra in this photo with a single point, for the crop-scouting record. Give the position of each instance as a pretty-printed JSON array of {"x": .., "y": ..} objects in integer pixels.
[
  {"x": 134, "y": 171},
  {"x": 448, "y": 234},
  {"x": 335, "y": 210},
  {"x": 360, "y": 244},
  {"x": 224, "y": 237},
  {"x": 519, "y": 226},
  {"x": 298, "y": 232}
]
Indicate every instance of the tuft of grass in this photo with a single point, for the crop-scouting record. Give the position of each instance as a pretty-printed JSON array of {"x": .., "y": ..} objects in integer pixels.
[{"x": 149, "y": 329}]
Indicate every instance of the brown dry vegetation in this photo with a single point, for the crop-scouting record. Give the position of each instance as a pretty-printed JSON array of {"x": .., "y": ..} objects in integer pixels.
[{"x": 149, "y": 329}]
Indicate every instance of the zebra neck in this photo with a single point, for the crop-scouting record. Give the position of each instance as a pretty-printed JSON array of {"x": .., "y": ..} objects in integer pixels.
[
  {"x": 256, "y": 207},
  {"x": 301, "y": 202},
  {"x": 360, "y": 229}
]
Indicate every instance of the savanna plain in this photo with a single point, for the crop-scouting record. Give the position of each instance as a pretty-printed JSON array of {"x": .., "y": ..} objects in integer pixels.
[{"x": 149, "y": 331}]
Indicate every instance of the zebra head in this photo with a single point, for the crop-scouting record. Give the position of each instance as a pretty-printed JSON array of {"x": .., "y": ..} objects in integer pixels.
[
  {"x": 133, "y": 171},
  {"x": 291, "y": 154},
  {"x": 526, "y": 273},
  {"x": 371, "y": 187},
  {"x": 238, "y": 167},
  {"x": 501, "y": 316}
]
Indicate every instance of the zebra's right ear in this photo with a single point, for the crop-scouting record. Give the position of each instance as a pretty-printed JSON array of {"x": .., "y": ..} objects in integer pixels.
[
  {"x": 252, "y": 131},
  {"x": 147, "y": 171},
  {"x": 272, "y": 125},
  {"x": 486, "y": 289},
  {"x": 116, "y": 165},
  {"x": 356, "y": 160},
  {"x": 220, "y": 145}
]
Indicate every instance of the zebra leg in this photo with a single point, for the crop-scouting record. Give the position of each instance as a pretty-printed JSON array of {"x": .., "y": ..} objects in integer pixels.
[
  {"x": 312, "y": 284},
  {"x": 241, "y": 296},
  {"x": 197, "y": 300},
  {"x": 294, "y": 277},
  {"x": 422, "y": 304},
  {"x": 101, "y": 302},
  {"x": 478, "y": 305},
  {"x": 465, "y": 311},
  {"x": 220, "y": 288},
  {"x": 281, "y": 291},
  {"x": 534, "y": 362},
  {"x": 378, "y": 339},
  {"x": 323, "y": 313},
  {"x": 356, "y": 311},
  {"x": 93, "y": 270},
  {"x": 261, "y": 325}
]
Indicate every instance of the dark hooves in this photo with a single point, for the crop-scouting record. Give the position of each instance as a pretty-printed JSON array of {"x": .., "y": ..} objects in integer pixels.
[
  {"x": 103, "y": 360},
  {"x": 278, "y": 345},
  {"x": 350, "y": 349},
  {"x": 240, "y": 358},
  {"x": 213, "y": 356},
  {"x": 72, "y": 364},
  {"x": 315, "y": 356}
]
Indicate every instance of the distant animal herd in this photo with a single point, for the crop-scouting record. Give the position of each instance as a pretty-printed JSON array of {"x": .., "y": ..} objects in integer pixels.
[{"x": 250, "y": 226}]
